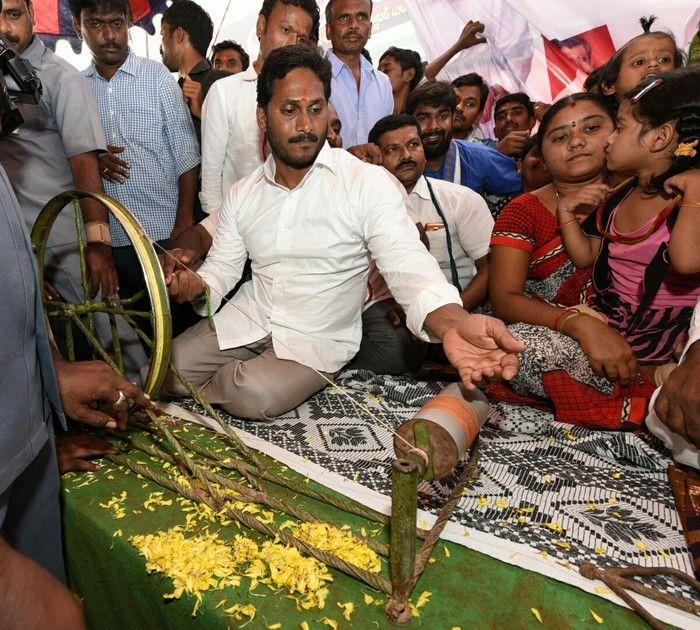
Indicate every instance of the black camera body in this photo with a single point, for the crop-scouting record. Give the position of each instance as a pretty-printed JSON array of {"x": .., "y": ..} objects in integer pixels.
[{"x": 23, "y": 87}]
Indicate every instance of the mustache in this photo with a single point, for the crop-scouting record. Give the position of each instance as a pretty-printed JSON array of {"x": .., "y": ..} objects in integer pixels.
[
  {"x": 440, "y": 134},
  {"x": 12, "y": 39},
  {"x": 406, "y": 163},
  {"x": 303, "y": 137}
]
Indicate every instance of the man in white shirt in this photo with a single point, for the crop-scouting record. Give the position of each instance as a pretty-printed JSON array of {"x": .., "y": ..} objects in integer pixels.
[
  {"x": 309, "y": 219},
  {"x": 456, "y": 220},
  {"x": 457, "y": 225},
  {"x": 361, "y": 94},
  {"x": 232, "y": 144},
  {"x": 674, "y": 412}
]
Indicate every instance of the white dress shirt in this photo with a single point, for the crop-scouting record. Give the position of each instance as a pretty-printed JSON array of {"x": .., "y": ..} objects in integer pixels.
[
  {"x": 231, "y": 139},
  {"x": 310, "y": 249},
  {"x": 468, "y": 219}
]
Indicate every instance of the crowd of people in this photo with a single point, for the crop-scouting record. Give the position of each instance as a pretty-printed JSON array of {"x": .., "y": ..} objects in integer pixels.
[{"x": 315, "y": 212}]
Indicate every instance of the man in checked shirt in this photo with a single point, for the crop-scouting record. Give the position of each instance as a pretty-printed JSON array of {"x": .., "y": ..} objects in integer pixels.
[{"x": 152, "y": 163}]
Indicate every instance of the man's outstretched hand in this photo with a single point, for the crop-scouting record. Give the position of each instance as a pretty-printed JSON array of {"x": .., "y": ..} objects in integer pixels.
[
  {"x": 86, "y": 384},
  {"x": 480, "y": 347}
]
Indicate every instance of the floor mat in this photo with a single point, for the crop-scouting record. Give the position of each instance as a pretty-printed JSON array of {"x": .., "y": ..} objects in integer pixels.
[{"x": 563, "y": 493}]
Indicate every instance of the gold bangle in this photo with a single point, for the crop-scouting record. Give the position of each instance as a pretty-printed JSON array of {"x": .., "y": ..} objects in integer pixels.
[{"x": 566, "y": 318}]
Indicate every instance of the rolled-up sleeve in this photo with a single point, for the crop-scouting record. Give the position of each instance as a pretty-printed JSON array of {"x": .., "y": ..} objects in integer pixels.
[
  {"x": 77, "y": 117},
  {"x": 178, "y": 127},
  {"x": 412, "y": 273},
  {"x": 214, "y": 140},
  {"x": 223, "y": 266}
]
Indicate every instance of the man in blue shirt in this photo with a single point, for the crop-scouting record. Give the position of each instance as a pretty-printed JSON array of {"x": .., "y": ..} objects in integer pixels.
[
  {"x": 480, "y": 168},
  {"x": 360, "y": 94},
  {"x": 153, "y": 162}
]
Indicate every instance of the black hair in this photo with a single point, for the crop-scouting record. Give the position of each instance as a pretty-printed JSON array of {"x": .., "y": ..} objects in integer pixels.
[
  {"x": 194, "y": 20},
  {"x": 99, "y": 6},
  {"x": 517, "y": 97},
  {"x": 606, "y": 75},
  {"x": 392, "y": 122},
  {"x": 570, "y": 42},
  {"x": 568, "y": 101},
  {"x": 229, "y": 44},
  {"x": 530, "y": 144},
  {"x": 436, "y": 94},
  {"x": 366, "y": 54},
  {"x": 407, "y": 59},
  {"x": 329, "y": 9},
  {"x": 281, "y": 61},
  {"x": 676, "y": 100},
  {"x": 473, "y": 79},
  {"x": 310, "y": 6}
]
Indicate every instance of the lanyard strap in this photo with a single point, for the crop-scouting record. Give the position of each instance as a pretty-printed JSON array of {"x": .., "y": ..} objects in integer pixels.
[{"x": 453, "y": 265}]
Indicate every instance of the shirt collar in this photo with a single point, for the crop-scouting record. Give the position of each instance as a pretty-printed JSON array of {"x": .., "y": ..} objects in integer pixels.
[
  {"x": 337, "y": 64},
  {"x": 421, "y": 189},
  {"x": 325, "y": 158},
  {"x": 201, "y": 67},
  {"x": 130, "y": 66},
  {"x": 34, "y": 52}
]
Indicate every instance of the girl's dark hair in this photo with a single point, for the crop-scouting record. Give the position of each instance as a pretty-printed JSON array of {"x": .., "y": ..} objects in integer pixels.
[
  {"x": 606, "y": 75},
  {"x": 675, "y": 99},
  {"x": 568, "y": 101}
]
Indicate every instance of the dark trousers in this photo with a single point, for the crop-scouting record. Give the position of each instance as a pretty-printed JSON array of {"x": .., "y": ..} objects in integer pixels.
[
  {"x": 385, "y": 349},
  {"x": 131, "y": 281},
  {"x": 30, "y": 516}
]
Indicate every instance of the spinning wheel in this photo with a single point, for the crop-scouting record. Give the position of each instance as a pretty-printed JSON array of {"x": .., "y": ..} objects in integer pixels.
[{"x": 82, "y": 315}]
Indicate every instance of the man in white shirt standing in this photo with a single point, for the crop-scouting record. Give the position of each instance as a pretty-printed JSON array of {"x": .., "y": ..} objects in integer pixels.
[
  {"x": 232, "y": 144},
  {"x": 309, "y": 219},
  {"x": 361, "y": 94}
]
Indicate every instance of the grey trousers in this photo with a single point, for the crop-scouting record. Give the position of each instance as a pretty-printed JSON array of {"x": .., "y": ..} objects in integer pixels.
[
  {"x": 30, "y": 516},
  {"x": 385, "y": 349},
  {"x": 247, "y": 382}
]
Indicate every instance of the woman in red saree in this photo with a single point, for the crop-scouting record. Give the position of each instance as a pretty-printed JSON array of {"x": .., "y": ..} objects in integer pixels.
[{"x": 533, "y": 281}]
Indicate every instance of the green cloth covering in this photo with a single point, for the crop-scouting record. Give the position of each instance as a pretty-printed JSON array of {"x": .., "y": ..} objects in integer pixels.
[
  {"x": 694, "y": 49},
  {"x": 468, "y": 589}
]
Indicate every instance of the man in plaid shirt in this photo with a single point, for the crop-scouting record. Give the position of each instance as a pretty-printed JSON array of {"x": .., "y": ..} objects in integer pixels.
[{"x": 152, "y": 164}]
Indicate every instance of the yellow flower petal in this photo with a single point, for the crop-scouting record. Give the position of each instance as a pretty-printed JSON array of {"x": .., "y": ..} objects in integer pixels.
[
  {"x": 596, "y": 616},
  {"x": 348, "y": 609},
  {"x": 331, "y": 623},
  {"x": 537, "y": 614},
  {"x": 447, "y": 551}
]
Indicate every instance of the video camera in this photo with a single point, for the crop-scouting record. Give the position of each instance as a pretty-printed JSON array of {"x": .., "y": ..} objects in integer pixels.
[{"x": 18, "y": 84}]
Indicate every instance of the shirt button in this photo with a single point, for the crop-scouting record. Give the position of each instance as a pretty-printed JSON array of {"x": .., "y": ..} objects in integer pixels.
[
  {"x": 111, "y": 112},
  {"x": 114, "y": 135},
  {"x": 109, "y": 90}
]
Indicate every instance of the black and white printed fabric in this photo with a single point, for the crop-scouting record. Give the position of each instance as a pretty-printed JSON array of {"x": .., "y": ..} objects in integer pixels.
[{"x": 570, "y": 493}]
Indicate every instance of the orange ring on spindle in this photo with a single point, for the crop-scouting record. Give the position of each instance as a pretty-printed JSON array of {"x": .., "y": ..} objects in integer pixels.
[{"x": 460, "y": 410}]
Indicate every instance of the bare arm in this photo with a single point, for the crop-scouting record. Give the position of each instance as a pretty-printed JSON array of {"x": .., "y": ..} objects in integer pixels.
[
  {"x": 187, "y": 194},
  {"x": 506, "y": 290},
  {"x": 471, "y": 35},
  {"x": 86, "y": 174},
  {"x": 476, "y": 291},
  {"x": 582, "y": 249},
  {"x": 683, "y": 247}
]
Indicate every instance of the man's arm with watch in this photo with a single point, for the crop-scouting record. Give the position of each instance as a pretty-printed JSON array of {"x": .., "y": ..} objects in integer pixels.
[{"x": 103, "y": 274}]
